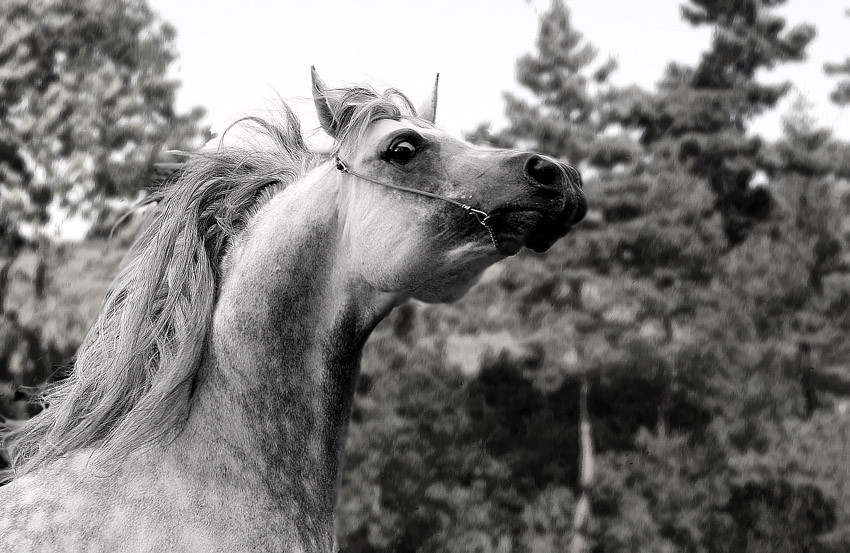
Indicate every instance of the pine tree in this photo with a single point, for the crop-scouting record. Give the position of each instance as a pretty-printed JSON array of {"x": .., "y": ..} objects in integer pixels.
[
  {"x": 699, "y": 117},
  {"x": 803, "y": 148},
  {"x": 560, "y": 122},
  {"x": 567, "y": 86}
]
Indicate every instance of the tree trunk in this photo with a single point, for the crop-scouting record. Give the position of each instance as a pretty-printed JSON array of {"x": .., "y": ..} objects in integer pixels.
[
  {"x": 39, "y": 277},
  {"x": 580, "y": 543},
  {"x": 5, "y": 270},
  {"x": 667, "y": 383},
  {"x": 806, "y": 364}
]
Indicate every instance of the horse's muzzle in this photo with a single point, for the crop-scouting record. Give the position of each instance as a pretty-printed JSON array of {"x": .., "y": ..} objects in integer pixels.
[{"x": 555, "y": 204}]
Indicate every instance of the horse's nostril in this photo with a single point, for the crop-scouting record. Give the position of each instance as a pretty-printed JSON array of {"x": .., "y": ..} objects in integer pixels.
[{"x": 543, "y": 171}]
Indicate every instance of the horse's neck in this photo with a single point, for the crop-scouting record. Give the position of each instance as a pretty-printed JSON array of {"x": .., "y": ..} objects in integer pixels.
[{"x": 273, "y": 396}]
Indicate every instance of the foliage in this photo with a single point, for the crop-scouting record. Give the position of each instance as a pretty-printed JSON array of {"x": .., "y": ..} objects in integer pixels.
[
  {"x": 39, "y": 336},
  {"x": 698, "y": 117},
  {"x": 86, "y": 107}
]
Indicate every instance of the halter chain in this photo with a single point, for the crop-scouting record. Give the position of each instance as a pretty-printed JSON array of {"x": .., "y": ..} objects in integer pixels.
[{"x": 481, "y": 216}]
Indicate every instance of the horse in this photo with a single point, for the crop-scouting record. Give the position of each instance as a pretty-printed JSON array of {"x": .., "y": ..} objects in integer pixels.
[{"x": 208, "y": 405}]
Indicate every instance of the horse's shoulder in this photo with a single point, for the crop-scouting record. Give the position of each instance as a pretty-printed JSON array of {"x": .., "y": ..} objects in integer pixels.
[
  {"x": 58, "y": 507},
  {"x": 69, "y": 506},
  {"x": 33, "y": 515}
]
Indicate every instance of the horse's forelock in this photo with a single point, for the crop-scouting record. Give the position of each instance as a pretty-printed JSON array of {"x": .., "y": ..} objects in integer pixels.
[{"x": 357, "y": 108}]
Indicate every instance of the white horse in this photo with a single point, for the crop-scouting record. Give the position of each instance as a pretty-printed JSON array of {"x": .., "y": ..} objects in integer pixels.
[{"x": 208, "y": 406}]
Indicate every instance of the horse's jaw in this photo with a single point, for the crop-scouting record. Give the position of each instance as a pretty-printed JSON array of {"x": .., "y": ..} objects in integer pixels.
[{"x": 456, "y": 273}]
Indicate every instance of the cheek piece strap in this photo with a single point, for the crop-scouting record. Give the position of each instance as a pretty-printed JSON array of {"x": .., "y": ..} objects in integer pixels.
[{"x": 481, "y": 216}]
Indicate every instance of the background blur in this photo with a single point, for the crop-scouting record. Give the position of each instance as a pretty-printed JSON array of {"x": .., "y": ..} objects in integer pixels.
[{"x": 672, "y": 376}]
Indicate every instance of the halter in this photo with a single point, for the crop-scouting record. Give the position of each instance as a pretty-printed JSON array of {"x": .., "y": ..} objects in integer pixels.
[{"x": 481, "y": 216}]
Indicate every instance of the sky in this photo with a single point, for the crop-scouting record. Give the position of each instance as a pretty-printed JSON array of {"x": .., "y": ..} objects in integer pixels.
[{"x": 238, "y": 58}]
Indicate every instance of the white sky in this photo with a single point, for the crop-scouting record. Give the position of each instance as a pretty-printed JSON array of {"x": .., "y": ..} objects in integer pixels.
[{"x": 236, "y": 57}]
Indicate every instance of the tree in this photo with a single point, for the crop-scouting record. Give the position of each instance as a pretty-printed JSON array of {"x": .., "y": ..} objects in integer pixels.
[
  {"x": 803, "y": 148},
  {"x": 809, "y": 158},
  {"x": 841, "y": 94},
  {"x": 86, "y": 106},
  {"x": 699, "y": 116},
  {"x": 568, "y": 88},
  {"x": 681, "y": 292},
  {"x": 582, "y": 515}
]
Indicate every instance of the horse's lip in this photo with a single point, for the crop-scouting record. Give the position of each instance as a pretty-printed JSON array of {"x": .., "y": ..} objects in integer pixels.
[
  {"x": 511, "y": 243},
  {"x": 519, "y": 208},
  {"x": 550, "y": 214},
  {"x": 549, "y": 225}
]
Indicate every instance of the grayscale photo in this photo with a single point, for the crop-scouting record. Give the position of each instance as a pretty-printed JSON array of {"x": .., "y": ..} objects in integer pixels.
[{"x": 455, "y": 276}]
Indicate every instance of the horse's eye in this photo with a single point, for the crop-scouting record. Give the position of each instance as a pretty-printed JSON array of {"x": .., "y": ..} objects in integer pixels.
[{"x": 401, "y": 152}]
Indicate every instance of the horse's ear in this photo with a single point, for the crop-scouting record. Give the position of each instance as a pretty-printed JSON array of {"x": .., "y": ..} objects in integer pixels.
[
  {"x": 329, "y": 123},
  {"x": 428, "y": 110}
]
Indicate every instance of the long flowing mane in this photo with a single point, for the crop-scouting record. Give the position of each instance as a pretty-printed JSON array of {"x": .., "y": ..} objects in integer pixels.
[{"x": 133, "y": 375}]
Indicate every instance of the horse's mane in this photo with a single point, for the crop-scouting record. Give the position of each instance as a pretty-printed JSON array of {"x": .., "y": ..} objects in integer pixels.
[{"x": 132, "y": 376}]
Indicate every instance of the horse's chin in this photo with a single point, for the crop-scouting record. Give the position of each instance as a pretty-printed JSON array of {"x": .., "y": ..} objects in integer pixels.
[{"x": 532, "y": 229}]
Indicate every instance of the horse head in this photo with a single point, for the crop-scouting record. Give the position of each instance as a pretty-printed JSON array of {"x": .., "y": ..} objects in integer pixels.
[{"x": 429, "y": 211}]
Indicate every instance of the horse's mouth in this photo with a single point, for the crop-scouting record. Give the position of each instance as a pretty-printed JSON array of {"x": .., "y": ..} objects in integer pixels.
[{"x": 533, "y": 228}]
